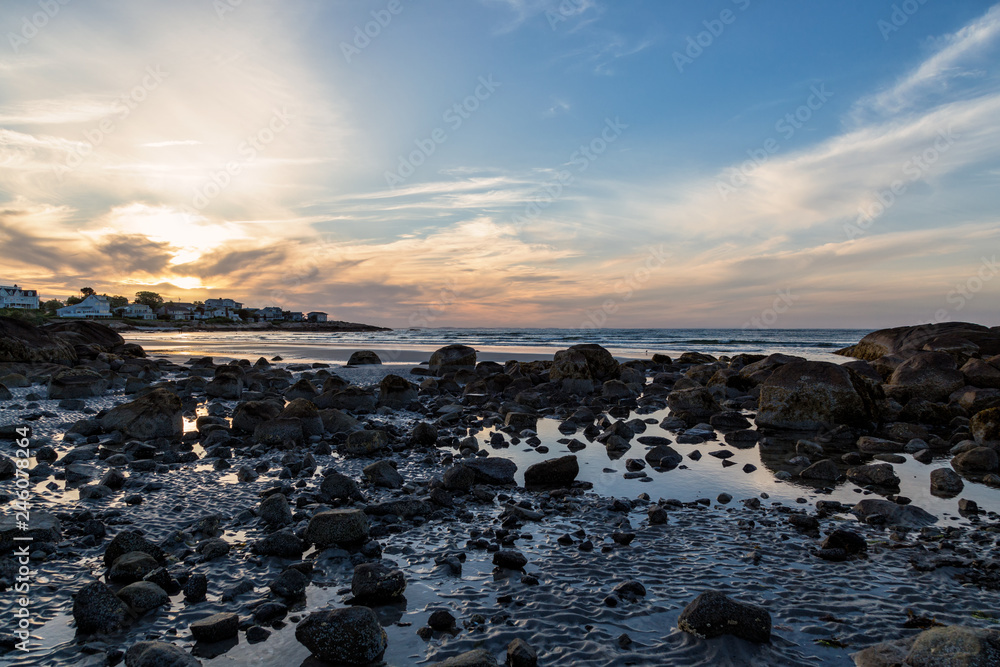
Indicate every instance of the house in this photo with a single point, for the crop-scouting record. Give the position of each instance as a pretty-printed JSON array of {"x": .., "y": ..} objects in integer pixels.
[
  {"x": 176, "y": 311},
  {"x": 316, "y": 316},
  {"x": 295, "y": 316},
  {"x": 136, "y": 311},
  {"x": 94, "y": 305},
  {"x": 12, "y": 296},
  {"x": 207, "y": 312},
  {"x": 271, "y": 313},
  {"x": 223, "y": 303}
]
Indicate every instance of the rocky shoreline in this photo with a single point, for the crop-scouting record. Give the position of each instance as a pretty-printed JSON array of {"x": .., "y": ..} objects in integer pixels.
[
  {"x": 262, "y": 327},
  {"x": 258, "y": 512}
]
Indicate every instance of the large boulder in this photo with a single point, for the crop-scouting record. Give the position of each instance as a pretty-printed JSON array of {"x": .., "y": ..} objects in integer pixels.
[
  {"x": 153, "y": 415},
  {"x": 351, "y": 635},
  {"x": 602, "y": 365},
  {"x": 570, "y": 368},
  {"x": 364, "y": 358},
  {"x": 396, "y": 392},
  {"x": 811, "y": 395},
  {"x": 560, "y": 471},
  {"x": 950, "y": 646},
  {"x": 713, "y": 614},
  {"x": 980, "y": 373},
  {"x": 227, "y": 383},
  {"x": 338, "y": 527},
  {"x": 96, "y": 609},
  {"x": 377, "y": 582},
  {"x": 479, "y": 657},
  {"x": 21, "y": 342},
  {"x": 158, "y": 654},
  {"x": 754, "y": 373},
  {"x": 76, "y": 383},
  {"x": 247, "y": 416},
  {"x": 693, "y": 405},
  {"x": 492, "y": 470},
  {"x": 365, "y": 443},
  {"x": 85, "y": 333},
  {"x": 451, "y": 358},
  {"x": 353, "y": 399},
  {"x": 875, "y": 474},
  {"x": 892, "y": 513},
  {"x": 975, "y": 461},
  {"x": 929, "y": 375},
  {"x": 985, "y": 426},
  {"x": 962, "y": 338}
]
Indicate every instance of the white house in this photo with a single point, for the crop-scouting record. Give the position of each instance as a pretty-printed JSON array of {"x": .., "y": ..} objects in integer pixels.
[
  {"x": 94, "y": 305},
  {"x": 295, "y": 316},
  {"x": 223, "y": 303},
  {"x": 270, "y": 313},
  {"x": 136, "y": 311},
  {"x": 176, "y": 311},
  {"x": 317, "y": 316},
  {"x": 12, "y": 296}
]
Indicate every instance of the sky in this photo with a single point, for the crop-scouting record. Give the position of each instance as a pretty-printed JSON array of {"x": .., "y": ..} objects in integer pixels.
[{"x": 521, "y": 163}]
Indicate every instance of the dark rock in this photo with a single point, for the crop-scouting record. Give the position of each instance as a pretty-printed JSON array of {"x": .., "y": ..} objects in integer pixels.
[
  {"x": 351, "y": 635},
  {"x": 712, "y": 614},
  {"x": 377, "y": 582},
  {"x": 364, "y": 358},
  {"x": 153, "y": 415},
  {"x": 809, "y": 395},
  {"x": 452, "y": 358},
  {"x": 158, "y": 654},
  {"x": 142, "y": 596},
  {"x": 96, "y": 609},
  {"x": 76, "y": 383},
  {"x": 337, "y": 528},
  {"x": 493, "y": 470},
  {"x": 216, "y": 627},
  {"x": 946, "y": 483},
  {"x": 950, "y": 646},
  {"x": 556, "y": 472}
]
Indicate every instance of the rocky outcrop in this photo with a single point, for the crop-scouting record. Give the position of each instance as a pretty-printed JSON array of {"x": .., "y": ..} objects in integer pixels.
[
  {"x": 961, "y": 339},
  {"x": 21, "y": 342},
  {"x": 77, "y": 383},
  {"x": 811, "y": 395},
  {"x": 85, "y": 333},
  {"x": 453, "y": 358},
  {"x": 951, "y": 646},
  {"x": 932, "y": 376},
  {"x": 153, "y": 415}
]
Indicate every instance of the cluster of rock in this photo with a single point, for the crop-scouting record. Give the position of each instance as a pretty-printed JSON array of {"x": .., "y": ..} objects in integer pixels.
[{"x": 850, "y": 421}]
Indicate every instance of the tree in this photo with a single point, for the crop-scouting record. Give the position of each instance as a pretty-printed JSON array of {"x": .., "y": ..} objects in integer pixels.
[
  {"x": 117, "y": 301},
  {"x": 51, "y": 306},
  {"x": 87, "y": 291},
  {"x": 197, "y": 303},
  {"x": 151, "y": 299},
  {"x": 73, "y": 300}
]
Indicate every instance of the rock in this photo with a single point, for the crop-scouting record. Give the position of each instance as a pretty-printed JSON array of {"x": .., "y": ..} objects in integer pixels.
[
  {"x": 275, "y": 510},
  {"x": 459, "y": 478},
  {"x": 452, "y": 358},
  {"x": 142, "y": 596},
  {"x": 128, "y": 541},
  {"x": 212, "y": 548},
  {"x": 377, "y": 582},
  {"x": 247, "y": 416},
  {"x": 383, "y": 474},
  {"x": 158, "y": 654},
  {"x": 693, "y": 405},
  {"x": 216, "y": 627},
  {"x": 406, "y": 507},
  {"x": 976, "y": 461},
  {"x": 337, "y": 486},
  {"x": 951, "y": 646},
  {"x": 337, "y": 421},
  {"x": 946, "y": 483},
  {"x": 303, "y": 389},
  {"x": 929, "y": 375},
  {"x": 307, "y": 414},
  {"x": 21, "y": 342},
  {"x": 279, "y": 432},
  {"x": 510, "y": 559},
  {"x": 870, "y": 445},
  {"x": 824, "y": 471},
  {"x": 810, "y": 395},
  {"x": 353, "y": 399},
  {"x": 664, "y": 456},
  {"x": 76, "y": 383},
  {"x": 556, "y": 472},
  {"x": 712, "y": 614},
  {"x": 43, "y": 527},
  {"x": 492, "y": 470},
  {"x": 364, "y": 358},
  {"x": 893, "y": 514},
  {"x": 289, "y": 584},
  {"x": 848, "y": 541},
  {"x": 337, "y": 528},
  {"x": 96, "y": 609},
  {"x": 977, "y": 372},
  {"x": 283, "y": 544},
  {"x": 570, "y": 369},
  {"x": 423, "y": 434},
  {"x": 985, "y": 426},
  {"x": 351, "y": 635},
  {"x": 132, "y": 566},
  {"x": 956, "y": 336},
  {"x": 479, "y": 657},
  {"x": 877, "y": 474},
  {"x": 153, "y": 415},
  {"x": 521, "y": 654},
  {"x": 227, "y": 383},
  {"x": 365, "y": 443},
  {"x": 396, "y": 392},
  {"x": 520, "y": 421},
  {"x": 196, "y": 588}
]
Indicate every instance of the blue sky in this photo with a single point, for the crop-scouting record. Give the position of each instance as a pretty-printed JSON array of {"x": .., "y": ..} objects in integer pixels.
[{"x": 725, "y": 163}]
